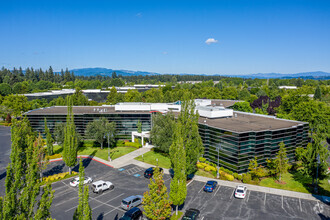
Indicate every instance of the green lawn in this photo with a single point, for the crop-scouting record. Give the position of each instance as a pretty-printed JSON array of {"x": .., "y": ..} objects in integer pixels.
[
  {"x": 176, "y": 217},
  {"x": 88, "y": 149},
  {"x": 297, "y": 182},
  {"x": 201, "y": 172},
  {"x": 151, "y": 158}
]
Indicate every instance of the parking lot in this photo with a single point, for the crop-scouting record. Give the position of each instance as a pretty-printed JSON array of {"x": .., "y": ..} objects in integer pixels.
[{"x": 217, "y": 205}]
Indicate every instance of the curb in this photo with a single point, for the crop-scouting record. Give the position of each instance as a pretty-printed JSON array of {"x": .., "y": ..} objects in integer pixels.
[{"x": 83, "y": 156}]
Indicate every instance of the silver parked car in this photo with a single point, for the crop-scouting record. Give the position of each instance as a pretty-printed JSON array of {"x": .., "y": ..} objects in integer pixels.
[{"x": 131, "y": 202}]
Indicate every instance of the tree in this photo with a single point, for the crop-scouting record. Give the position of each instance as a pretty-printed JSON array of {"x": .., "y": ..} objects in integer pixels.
[
  {"x": 70, "y": 144},
  {"x": 17, "y": 103},
  {"x": 162, "y": 131},
  {"x": 309, "y": 158},
  {"x": 192, "y": 141},
  {"x": 244, "y": 94},
  {"x": 281, "y": 160},
  {"x": 22, "y": 186},
  {"x": 113, "y": 97},
  {"x": 229, "y": 93},
  {"x": 99, "y": 128},
  {"x": 49, "y": 140},
  {"x": 253, "y": 166},
  {"x": 242, "y": 106},
  {"x": 5, "y": 89},
  {"x": 59, "y": 132},
  {"x": 83, "y": 211},
  {"x": 139, "y": 126},
  {"x": 318, "y": 93},
  {"x": 156, "y": 203},
  {"x": 178, "y": 185},
  {"x": 132, "y": 95},
  {"x": 8, "y": 119}
]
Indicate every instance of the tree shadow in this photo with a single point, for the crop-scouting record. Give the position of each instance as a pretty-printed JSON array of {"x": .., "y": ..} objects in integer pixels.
[
  {"x": 54, "y": 170},
  {"x": 58, "y": 151},
  {"x": 85, "y": 161},
  {"x": 3, "y": 175},
  {"x": 323, "y": 217},
  {"x": 100, "y": 217}
]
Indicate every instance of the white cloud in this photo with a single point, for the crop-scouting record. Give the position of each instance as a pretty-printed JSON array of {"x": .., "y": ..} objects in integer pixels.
[
  {"x": 211, "y": 41},
  {"x": 139, "y": 14},
  {"x": 165, "y": 52}
]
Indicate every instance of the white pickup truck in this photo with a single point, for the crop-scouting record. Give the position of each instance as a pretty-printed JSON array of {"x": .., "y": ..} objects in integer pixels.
[{"x": 100, "y": 186}]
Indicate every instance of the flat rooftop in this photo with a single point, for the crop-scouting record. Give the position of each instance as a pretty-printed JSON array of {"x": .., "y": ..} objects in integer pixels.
[
  {"x": 80, "y": 110},
  {"x": 243, "y": 122}
]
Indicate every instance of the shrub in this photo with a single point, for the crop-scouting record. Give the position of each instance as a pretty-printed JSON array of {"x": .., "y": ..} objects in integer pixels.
[
  {"x": 235, "y": 175},
  {"x": 202, "y": 159},
  {"x": 229, "y": 177},
  {"x": 222, "y": 169},
  {"x": 247, "y": 178},
  {"x": 239, "y": 177},
  {"x": 54, "y": 156},
  {"x": 200, "y": 166},
  {"x": 120, "y": 143},
  {"x": 213, "y": 165},
  {"x": 132, "y": 144},
  {"x": 207, "y": 168},
  {"x": 207, "y": 162}
]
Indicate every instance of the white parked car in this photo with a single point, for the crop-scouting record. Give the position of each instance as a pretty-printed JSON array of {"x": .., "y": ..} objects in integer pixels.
[
  {"x": 100, "y": 186},
  {"x": 240, "y": 192},
  {"x": 75, "y": 181}
]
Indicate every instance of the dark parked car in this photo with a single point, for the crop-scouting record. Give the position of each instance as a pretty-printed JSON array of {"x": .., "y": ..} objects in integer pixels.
[
  {"x": 189, "y": 176},
  {"x": 191, "y": 214},
  {"x": 210, "y": 186},
  {"x": 133, "y": 214},
  {"x": 150, "y": 172}
]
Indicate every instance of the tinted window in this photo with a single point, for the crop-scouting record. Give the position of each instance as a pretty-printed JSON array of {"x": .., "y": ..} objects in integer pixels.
[
  {"x": 240, "y": 191},
  {"x": 124, "y": 202}
]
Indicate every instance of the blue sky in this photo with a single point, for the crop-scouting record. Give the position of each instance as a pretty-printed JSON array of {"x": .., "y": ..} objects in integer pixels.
[{"x": 167, "y": 36}]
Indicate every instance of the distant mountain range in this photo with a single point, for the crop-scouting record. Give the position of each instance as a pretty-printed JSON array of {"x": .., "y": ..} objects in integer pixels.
[{"x": 108, "y": 72}]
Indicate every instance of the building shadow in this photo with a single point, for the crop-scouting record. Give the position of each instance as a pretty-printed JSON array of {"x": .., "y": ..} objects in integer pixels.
[{"x": 323, "y": 217}]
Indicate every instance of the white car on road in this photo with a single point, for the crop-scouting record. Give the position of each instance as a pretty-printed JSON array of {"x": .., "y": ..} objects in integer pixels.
[
  {"x": 240, "y": 192},
  {"x": 75, "y": 181}
]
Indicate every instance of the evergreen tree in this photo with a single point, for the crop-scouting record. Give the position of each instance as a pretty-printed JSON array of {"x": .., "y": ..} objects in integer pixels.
[
  {"x": 22, "y": 184},
  {"x": 113, "y": 96},
  {"x": 49, "y": 140},
  {"x": 139, "y": 126},
  {"x": 192, "y": 141},
  {"x": 318, "y": 93},
  {"x": 178, "y": 185},
  {"x": 281, "y": 160},
  {"x": 70, "y": 145},
  {"x": 156, "y": 203}
]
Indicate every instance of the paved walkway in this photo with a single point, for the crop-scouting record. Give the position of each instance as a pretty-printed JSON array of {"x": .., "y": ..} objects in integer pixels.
[{"x": 129, "y": 159}]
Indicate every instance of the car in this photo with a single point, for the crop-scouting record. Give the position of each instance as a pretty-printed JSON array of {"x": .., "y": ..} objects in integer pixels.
[
  {"x": 189, "y": 176},
  {"x": 240, "y": 192},
  {"x": 191, "y": 214},
  {"x": 133, "y": 214},
  {"x": 75, "y": 181},
  {"x": 100, "y": 186},
  {"x": 210, "y": 186},
  {"x": 131, "y": 202},
  {"x": 150, "y": 172}
]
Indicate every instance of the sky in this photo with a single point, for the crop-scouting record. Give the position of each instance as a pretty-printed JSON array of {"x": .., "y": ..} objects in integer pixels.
[{"x": 197, "y": 37}]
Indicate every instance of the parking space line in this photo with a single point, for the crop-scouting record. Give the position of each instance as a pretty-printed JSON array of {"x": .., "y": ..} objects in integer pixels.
[
  {"x": 248, "y": 196},
  {"x": 300, "y": 205},
  {"x": 318, "y": 204},
  {"x": 265, "y": 199},
  {"x": 231, "y": 196},
  {"x": 202, "y": 218},
  {"x": 282, "y": 202},
  {"x": 67, "y": 200},
  {"x": 109, "y": 212},
  {"x": 200, "y": 189},
  {"x": 217, "y": 190},
  {"x": 71, "y": 208},
  {"x": 189, "y": 183},
  {"x": 108, "y": 201}
]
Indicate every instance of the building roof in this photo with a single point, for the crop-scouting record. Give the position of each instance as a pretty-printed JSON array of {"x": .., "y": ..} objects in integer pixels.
[
  {"x": 224, "y": 103},
  {"x": 246, "y": 122},
  {"x": 79, "y": 110}
]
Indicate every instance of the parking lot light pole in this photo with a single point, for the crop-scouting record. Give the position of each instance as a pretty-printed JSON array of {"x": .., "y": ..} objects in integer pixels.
[{"x": 109, "y": 158}]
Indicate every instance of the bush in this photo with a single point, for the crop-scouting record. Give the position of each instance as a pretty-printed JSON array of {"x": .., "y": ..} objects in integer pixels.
[
  {"x": 120, "y": 143},
  {"x": 133, "y": 144},
  {"x": 247, "y": 178},
  {"x": 202, "y": 159},
  {"x": 235, "y": 175},
  {"x": 200, "y": 165},
  {"x": 222, "y": 169},
  {"x": 207, "y": 162},
  {"x": 239, "y": 177},
  {"x": 54, "y": 156},
  {"x": 213, "y": 165},
  {"x": 58, "y": 176},
  {"x": 229, "y": 177}
]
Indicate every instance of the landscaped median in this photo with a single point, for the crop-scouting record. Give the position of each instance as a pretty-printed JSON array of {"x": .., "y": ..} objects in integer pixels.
[
  {"x": 57, "y": 177},
  {"x": 294, "y": 180}
]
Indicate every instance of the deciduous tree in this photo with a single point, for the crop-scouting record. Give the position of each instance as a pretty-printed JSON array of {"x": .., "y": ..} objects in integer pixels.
[{"x": 49, "y": 139}]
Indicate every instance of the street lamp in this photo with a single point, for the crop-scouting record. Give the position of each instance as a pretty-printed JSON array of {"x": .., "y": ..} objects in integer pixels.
[{"x": 108, "y": 134}]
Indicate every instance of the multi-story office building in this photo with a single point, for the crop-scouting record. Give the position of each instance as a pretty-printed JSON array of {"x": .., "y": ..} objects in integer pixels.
[{"x": 232, "y": 138}]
